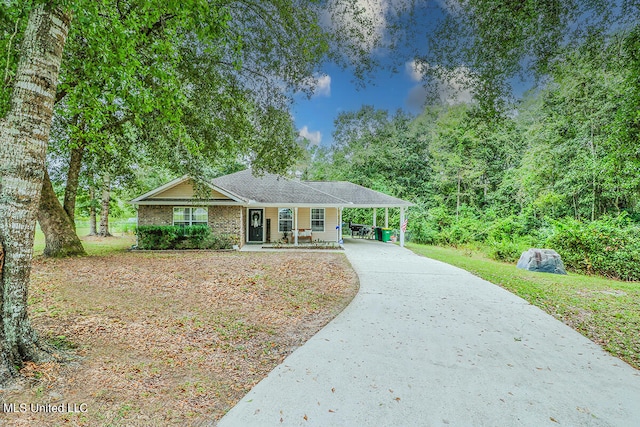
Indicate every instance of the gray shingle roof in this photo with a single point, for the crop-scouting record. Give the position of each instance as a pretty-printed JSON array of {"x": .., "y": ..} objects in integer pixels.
[
  {"x": 357, "y": 194},
  {"x": 273, "y": 189}
]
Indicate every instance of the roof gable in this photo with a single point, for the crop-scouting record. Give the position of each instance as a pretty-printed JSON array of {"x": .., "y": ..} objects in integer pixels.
[{"x": 182, "y": 190}]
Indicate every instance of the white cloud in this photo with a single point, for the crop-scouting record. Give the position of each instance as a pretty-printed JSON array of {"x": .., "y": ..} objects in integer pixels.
[
  {"x": 414, "y": 70},
  {"x": 364, "y": 22},
  {"x": 455, "y": 89},
  {"x": 416, "y": 98},
  {"x": 451, "y": 88},
  {"x": 323, "y": 86},
  {"x": 313, "y": 137}
]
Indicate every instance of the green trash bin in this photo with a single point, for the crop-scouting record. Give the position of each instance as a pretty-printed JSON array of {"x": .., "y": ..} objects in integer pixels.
[
  {"x": 379, "y": 234},
  {"x": 386, "y": 234}
]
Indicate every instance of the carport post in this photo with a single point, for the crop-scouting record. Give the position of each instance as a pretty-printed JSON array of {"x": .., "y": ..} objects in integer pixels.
[
  {"x": 401, "y": 222},
  {"x": 375, "y": 217},
  {"x": 295, "y": 221},
  {"x": 386, "y": 217}
]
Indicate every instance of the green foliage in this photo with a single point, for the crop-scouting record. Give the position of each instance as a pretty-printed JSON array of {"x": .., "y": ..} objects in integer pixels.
[
  {"x": 609, "y": 247},
  {"x": 178, "y": 237},
  {"x": 507, "y": 249}
]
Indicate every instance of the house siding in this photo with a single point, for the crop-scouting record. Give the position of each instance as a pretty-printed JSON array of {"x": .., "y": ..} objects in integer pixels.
[
  {"x": 185, "y": 191},
  {"x": 272, "y": 214},
  {"x": 330, "y": 233},
  {"x": 304, "y": 222}
]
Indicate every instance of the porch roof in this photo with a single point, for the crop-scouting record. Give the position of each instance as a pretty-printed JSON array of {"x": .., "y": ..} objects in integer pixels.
[{"x": 357, "y": 195}]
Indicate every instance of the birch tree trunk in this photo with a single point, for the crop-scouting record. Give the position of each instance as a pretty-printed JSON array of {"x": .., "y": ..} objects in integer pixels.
[
  {"x": 59, "y": 231},
  {"x": 24, "y": 134},
  {"x": 104, "y": 212}
]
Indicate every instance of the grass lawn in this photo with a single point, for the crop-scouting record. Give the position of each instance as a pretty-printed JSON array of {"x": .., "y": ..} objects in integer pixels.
[
  {"x": 92, "y": 244},
  {"x": 604, "y": 310},
  {"x": 169, "y": 338}
]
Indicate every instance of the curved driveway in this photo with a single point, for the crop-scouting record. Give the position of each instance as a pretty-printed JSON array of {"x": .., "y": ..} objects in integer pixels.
[{"x": 427, "y": 344}]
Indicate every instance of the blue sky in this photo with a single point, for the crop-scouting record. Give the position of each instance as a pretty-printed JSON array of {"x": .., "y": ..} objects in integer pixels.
[
  {"x": 336, "y": 91},
  {"x": 314, "y": 117}
]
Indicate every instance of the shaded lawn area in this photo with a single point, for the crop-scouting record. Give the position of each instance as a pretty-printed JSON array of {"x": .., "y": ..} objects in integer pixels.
[
  {"x": 171, "y": 338},
  {"x": 604, "y": 310},
  {"x": 94, "y": 245}
]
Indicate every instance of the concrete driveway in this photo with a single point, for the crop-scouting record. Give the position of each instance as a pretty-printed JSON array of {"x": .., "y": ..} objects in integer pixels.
[{"x": 427, "y": 344}]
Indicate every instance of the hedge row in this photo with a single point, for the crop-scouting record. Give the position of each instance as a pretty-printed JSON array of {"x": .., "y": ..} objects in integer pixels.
[
  {"x": 608, "y": 247},
  {"x": 181, "y": 237}
]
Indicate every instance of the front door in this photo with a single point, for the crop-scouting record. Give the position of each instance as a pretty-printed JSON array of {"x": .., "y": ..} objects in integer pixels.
[{"x": 256, "y": 225}]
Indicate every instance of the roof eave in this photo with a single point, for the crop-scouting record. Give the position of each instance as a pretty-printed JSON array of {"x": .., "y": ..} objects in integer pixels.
[
  {"x": 380, "y": 205},
  {"x": 186, "y": 202}
]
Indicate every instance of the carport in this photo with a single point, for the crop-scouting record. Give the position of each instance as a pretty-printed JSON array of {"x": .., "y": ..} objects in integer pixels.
[{"x": 357, "y": 196}]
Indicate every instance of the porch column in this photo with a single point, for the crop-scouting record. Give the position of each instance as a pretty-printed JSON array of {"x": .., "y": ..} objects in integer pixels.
[
  {"x": 401, "y": 222},
  {"x": 375, "y": 217},
  {"x": 295, "y": 222},
  {"x": 339, "y": 227},
  {"x": 386, "y": 217}
]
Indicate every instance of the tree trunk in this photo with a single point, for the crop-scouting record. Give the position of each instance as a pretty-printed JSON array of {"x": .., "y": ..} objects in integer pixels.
[
  {"x": 71, "y": 189},
  {"x": 93, "y": 231},
  {"x": 60, "y": 234},
  {"x": 104, "y": 212},
  {"x": 24, "y": 135}
]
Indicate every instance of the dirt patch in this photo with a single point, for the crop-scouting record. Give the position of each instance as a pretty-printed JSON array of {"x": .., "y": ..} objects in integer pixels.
[{"x": 172, "y": 338}]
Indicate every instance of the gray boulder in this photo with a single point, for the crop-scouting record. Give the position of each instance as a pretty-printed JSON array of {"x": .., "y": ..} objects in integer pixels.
[{"x": 541, "y": 260}]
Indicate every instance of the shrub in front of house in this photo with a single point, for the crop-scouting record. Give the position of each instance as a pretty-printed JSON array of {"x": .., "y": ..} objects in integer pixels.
[{"x": 180, "y": 237}]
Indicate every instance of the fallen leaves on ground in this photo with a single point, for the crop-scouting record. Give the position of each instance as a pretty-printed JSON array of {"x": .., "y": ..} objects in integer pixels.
[{"x": 170, "y": 338}]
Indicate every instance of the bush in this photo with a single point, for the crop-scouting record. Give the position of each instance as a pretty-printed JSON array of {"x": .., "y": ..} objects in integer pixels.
[
  {"x": 178, "y": 237},
  {"x": 464, "y": 230},
  {"x": 609, "y": 247},
  {"x": 422, "y": 232},
  {"x": 507, "y": 249},
  {"x": 506, "y": 228}
]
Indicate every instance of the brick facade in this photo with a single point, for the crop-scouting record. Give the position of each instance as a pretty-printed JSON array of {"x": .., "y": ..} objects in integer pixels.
[
  {"x": 155, "y": 215},
  {"x": 222, "y": 219},
  {"x": 227, "y": 220}
]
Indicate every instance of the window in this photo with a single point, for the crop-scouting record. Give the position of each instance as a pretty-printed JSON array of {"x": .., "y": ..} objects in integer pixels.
[
  {"x": 190, "y": 216},
  {"x": 285, "y": 220},
  {"x": 317, "y": 219}
]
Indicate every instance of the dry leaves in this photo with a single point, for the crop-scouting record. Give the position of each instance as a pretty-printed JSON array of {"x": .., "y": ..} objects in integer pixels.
[{"x": 172, "y": 338}]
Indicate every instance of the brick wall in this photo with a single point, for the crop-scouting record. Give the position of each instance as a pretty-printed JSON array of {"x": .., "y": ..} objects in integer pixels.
[
  {"x": 222, "y": 219},
  {"x": 155, "y": 215},
  {"x": 227, "y": 220}
]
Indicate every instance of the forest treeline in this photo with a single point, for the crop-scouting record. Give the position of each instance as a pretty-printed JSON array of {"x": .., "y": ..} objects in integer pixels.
[{"x": 560, "y": 169}]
